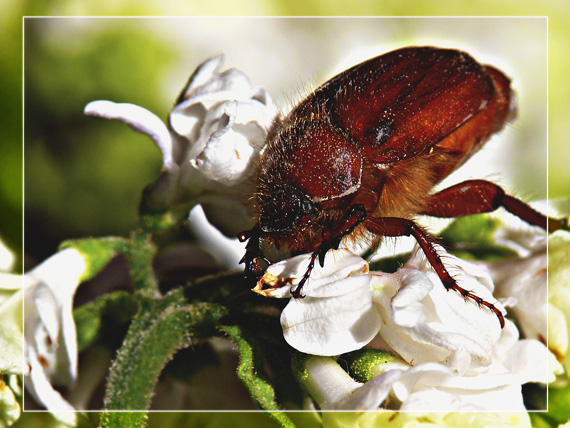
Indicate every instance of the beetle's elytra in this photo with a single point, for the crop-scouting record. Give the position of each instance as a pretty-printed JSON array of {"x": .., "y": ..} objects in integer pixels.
[{"x": 360, "y": 157}]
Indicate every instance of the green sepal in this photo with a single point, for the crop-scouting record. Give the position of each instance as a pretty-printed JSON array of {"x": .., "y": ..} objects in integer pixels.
[
  {"x": 159, "y": 222},
  {"x": 389, "y": 264},
  {"x": 299, "y": 366},
  {"x": 365, "y": 364}
]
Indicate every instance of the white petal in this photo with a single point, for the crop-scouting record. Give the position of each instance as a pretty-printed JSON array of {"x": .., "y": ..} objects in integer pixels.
[
  {"x": 371, "y": 395},
  {"x": 403, "y": 382},
  {"x": 227, "y": 252},
  {"x": 406, "y": 307},
  {"x": 424, "y": 323},
  {"x": 339, "y": 264},
  {"x": 203, "y": 73},
  {"x": 506, "y": 398},
  {"x": 11, "y": 410},
  {"x": 138, "y": 118},
  {"x": 525, "y": 280},
  {"x": 39, "y": 385},
  {"x": 332, "y": 325},
  {"x": 528, "y": 359}
]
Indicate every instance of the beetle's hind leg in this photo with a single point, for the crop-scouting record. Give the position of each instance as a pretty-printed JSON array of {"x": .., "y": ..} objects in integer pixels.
[{"x": 480, "y": 196}]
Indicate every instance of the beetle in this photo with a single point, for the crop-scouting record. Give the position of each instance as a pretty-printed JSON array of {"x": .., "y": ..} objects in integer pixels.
[{"x": 361, "y": 155}]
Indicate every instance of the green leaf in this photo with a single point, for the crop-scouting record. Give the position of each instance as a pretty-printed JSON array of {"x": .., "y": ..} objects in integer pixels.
[
  {"x": 97, "y": 252},
  {"x": 251, "y": 372},
  {"x": 162, "y": 327},
  {"x": 118, "y": 307},
  {"x": 473, "y": 238},
  {"x": 559, "y": 404},
  {"x": 474, "y": 228}
]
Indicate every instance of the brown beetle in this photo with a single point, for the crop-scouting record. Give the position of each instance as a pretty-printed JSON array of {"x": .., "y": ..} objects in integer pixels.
[{"x": 361, "y": 155}]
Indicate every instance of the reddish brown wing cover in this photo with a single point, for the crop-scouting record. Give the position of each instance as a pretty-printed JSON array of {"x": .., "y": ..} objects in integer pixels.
[{"x": 401, "y": 104}]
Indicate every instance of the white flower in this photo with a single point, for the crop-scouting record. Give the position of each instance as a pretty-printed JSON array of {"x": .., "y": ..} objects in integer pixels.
[
  {"x": 457, "y": 355},
  {"x": 11, "y": 322},
  {"x": 211, "y": 148},
  {"x": 537, "y": 283},
  {"x": 11, "y": 331},
  {"x": 559, "y": 297},
  {"x": 50, "y": 337}
]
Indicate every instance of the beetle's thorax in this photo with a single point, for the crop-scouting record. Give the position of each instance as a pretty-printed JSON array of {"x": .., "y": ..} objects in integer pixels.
[{"x": 313, "y": 157}]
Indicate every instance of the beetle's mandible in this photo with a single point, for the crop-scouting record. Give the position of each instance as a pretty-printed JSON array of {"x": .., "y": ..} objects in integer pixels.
[{"x": 361, "y": 155}]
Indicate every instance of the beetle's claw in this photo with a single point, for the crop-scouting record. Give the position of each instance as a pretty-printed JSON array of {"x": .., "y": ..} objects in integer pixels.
[{"x": 253, "y": 255}]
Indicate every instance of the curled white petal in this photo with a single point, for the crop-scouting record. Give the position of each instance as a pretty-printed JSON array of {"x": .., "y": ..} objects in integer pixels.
[
  {"x": 203, "y": 74},
  {"x": 138, "y": 118}
]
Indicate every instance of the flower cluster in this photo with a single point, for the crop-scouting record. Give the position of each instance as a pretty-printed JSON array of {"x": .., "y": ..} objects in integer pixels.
[
  {"x": 451, "y": 354},
  {"x": 11, "y": 368}
]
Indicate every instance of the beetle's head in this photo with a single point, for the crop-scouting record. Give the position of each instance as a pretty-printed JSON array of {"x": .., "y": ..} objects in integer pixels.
[{"x": 285, "y": 215}]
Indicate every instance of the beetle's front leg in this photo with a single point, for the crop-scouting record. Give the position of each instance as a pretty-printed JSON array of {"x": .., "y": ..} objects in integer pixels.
[
  {"x": 394, "y": 226},
  {"x": 331, "y": 240},
  {"x": 253, "y": 253}
]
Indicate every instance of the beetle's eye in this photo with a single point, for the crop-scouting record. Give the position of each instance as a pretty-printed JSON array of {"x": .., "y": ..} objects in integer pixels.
[
  {"x": 281, "y": 208},
  {"x": 280, "y": 213}
]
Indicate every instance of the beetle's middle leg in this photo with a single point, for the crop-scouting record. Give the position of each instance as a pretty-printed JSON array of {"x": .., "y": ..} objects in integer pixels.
[{"x": 480, "y": 196}]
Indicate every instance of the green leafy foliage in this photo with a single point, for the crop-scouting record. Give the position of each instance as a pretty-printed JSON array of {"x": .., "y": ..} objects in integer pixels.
[
  {"x": 162, "y": 327},
  {"x": 472, "y": 238}
]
